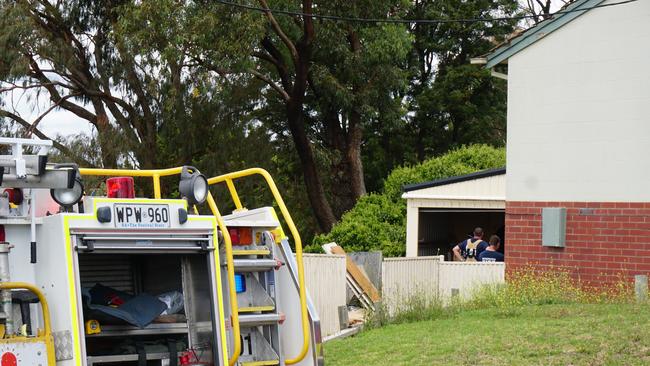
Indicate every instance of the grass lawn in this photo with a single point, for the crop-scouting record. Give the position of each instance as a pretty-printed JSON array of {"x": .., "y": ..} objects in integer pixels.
[{"x": 533, "y": 335}]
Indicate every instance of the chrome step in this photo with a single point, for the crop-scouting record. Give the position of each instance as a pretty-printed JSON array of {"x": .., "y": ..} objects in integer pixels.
[
  {"x": 254, "y": 320},
  {"x": 256, "y": 265}
]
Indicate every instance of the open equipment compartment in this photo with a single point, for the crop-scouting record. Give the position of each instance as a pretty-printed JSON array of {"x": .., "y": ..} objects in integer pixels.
[{"x": 147, "y": 267}]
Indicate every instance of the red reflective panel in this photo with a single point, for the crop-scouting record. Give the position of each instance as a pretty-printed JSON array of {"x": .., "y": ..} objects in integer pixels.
[
  {"x": 241, "y": 235},
  {"x": 234, "y": 236},
  {"x": 120, "y": 187}
]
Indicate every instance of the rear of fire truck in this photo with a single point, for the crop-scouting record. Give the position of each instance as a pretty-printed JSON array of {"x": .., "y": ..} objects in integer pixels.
[{"x": 120, "y": 280}]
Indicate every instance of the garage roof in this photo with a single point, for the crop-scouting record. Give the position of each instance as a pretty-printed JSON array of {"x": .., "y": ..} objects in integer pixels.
[
  {"x": 456, "y": 179},
  {"x": 486, "y": 185}
]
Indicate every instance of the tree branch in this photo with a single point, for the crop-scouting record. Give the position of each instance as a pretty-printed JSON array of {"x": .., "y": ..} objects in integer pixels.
[
  {"x": 56, "y": 97},
  {"x": 278, "y": 30},
  {"x": 273, "y": 85},
  {"x": 62, "y": 148},
  {"x": 34, "y": 124},
  {"x": 280, "y": 66}
]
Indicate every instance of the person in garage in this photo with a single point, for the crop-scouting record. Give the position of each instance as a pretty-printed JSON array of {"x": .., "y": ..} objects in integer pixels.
[
  {"x": 469, "y": 250},
  {"x": 492, "y": 254}
]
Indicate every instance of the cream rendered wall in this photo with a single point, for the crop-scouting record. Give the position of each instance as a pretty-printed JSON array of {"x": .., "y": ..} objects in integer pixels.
[{"x": 579, "y": 110}]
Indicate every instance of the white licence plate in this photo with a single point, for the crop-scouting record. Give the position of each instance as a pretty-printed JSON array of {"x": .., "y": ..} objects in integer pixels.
[{"x": 141, "y": 216}]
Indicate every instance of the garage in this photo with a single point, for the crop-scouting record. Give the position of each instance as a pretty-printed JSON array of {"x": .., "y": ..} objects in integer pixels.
[{"x": 441, "y": 213}]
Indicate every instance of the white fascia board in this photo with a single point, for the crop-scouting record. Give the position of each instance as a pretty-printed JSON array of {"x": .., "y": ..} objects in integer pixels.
[{"x": 409, "y": 195}]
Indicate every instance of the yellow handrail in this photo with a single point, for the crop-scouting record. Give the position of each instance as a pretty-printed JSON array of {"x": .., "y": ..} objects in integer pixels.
[
  {"x": 155, "y": 174},
  {"x": 47, "y": 323},
  {"x": 228, "y": 178}
]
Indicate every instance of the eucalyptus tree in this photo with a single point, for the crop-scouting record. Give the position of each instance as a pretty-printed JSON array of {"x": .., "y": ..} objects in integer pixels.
[{"x": 85, "y": 57}]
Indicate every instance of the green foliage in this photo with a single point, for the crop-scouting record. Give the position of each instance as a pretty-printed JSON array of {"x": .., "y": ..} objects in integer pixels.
[
  {"x": 375, "y": 223},
  {"x": 378, "y": 221}
]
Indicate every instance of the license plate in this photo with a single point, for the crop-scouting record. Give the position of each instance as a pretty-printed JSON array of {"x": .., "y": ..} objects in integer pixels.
[{"x": 141, "y": 216}]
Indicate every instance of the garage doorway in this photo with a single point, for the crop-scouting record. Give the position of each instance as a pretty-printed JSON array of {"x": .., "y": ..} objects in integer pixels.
[{"x": 439, "y": 230}]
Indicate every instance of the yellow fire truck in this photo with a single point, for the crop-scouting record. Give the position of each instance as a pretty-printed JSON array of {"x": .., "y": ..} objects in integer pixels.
[{"x": 111, "y": 279}]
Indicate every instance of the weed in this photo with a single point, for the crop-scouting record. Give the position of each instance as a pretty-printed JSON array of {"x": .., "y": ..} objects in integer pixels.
[{"x": 524, "y": 287}]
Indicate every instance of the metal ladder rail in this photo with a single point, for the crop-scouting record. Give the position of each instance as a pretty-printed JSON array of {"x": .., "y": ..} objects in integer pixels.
[
  {"x": 268, "y": 318},
  {"x": 228, "y": 179}
]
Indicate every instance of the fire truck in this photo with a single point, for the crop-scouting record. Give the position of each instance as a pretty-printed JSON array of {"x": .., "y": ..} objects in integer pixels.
[{"x": 108, "y": 278}]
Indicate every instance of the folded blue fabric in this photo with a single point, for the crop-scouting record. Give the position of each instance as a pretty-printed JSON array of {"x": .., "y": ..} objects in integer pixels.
[{"x": 139, "y": 310}]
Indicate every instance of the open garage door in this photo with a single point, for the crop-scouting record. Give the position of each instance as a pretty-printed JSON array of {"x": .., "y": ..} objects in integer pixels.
[{"x": 439, "y": 230}]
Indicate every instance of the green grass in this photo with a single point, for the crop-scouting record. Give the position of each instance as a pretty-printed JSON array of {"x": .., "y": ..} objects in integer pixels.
[{"x": 567, "y": 334}]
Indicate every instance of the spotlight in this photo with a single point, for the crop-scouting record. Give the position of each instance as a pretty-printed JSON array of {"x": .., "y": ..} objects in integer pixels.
[
  {"x": 193, "y": 186},
  {"x": 68, "y": 197}
]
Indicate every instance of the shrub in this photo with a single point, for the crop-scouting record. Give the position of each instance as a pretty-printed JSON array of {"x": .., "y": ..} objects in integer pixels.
[{"x": 378, "y": 221}]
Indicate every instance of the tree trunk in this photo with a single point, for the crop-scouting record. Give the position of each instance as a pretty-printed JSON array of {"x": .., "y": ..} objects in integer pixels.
[
  {"x": 353, "y": 156},
  {"x": 319, "y": 203},
  {"x": 105, "y": 136}
]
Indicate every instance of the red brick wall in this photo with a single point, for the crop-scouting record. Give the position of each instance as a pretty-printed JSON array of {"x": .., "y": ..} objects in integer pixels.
[{"x": 605, "y": 241}]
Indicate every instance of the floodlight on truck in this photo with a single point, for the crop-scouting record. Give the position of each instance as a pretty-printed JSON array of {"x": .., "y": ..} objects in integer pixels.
[
  {"x": 68, "y": 197},
  {"x": 193, "y": 186}
]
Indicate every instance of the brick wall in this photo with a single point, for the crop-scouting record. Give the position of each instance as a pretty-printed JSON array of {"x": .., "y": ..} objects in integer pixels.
[{"x": 604, "y": 240}]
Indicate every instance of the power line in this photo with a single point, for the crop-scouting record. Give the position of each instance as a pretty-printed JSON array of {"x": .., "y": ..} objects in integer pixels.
[{"x": 409, "y": 21}]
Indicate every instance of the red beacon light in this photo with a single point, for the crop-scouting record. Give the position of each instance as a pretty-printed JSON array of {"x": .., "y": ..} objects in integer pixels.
[{"x": 120, "y": 187}]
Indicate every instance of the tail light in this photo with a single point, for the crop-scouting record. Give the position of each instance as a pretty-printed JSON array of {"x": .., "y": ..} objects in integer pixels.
[
  {"x": 241, "y": 235},
  {"x": 120, "y": 187},
  {"x": 3, "y": 237}
]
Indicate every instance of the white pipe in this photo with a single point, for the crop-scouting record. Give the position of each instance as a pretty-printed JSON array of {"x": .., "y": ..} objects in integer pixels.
[
  {"x": 32, "y": 224},
  {"x": 5, "y": 295}
]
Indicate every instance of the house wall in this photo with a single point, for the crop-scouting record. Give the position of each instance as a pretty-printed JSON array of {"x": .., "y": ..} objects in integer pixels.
[
  {"x": 578, "y": 137},
  {"x": 605, "y": 241},
  {"x": 578, "y": 111}
]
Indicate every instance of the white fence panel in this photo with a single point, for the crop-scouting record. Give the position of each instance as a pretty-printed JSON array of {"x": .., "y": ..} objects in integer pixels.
[
  {"x": 409, "y": 280},
  {"x": 325, "y": 281},
  {"x": 466, "y": 277}
]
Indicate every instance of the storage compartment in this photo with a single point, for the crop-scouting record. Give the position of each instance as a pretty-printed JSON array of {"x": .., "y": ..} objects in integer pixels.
[{"x": 126, "y": 307}]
